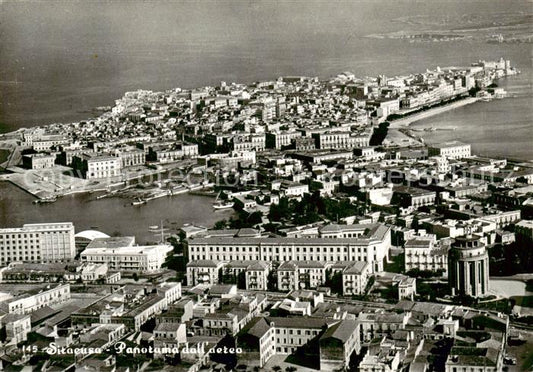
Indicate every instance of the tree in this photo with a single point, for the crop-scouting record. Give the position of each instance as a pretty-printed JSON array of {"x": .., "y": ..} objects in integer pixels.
[
  {"x": 415, "y": 224},
  {"x": 220, "y": 225},
  {"x": 272, "y": 281},
  {"x": 255, "y": 218},
  {"x": 279, "y": 211},
  {"x": 335, "y": 282},
  {"x": 177, "y": 243},
  {"x": 380, "y": 133},
  {"x": 473, "y": 91}
]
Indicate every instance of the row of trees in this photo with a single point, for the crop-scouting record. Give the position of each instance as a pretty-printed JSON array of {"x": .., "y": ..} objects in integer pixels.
[{"x": 313, "y": 208}]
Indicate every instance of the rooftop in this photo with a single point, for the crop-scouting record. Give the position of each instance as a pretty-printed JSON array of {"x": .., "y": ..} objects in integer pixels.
[{"x": 112, "y": 242}]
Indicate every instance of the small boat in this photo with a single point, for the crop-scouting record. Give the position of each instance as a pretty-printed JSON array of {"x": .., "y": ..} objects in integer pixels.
[
  {"x": 50, "y": 199},
  {"x": 223, "y": 205},
  {"x": 138, "y": 202},
  {"x": 219, "y": 204},
  {"x": 153, "y": 227}
]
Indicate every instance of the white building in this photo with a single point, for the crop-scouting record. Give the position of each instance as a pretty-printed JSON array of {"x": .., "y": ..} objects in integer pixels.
[
  {"x": 43, "y": 243},
  {"x": 256, "y": 276},
  {"x": 450, "y": 150},
  {"x": 203, "y": 272},
  {"x": 372, "y": 247},
  {"x": 340, "y": 140},
  {"x": 292, "y": 333},
  {"x": 168, "y": 336},
  {"x": 17, "y": 327},
  {"x": 407, "y": 289},
  {"x": 301, "y": 275},
  {"x": 38, "y": 161},
  {"x": 354, "y": 277},
  {"x": 423, "y": 253},
  {"x": 94, "y": 166},
  {"x": 293, "y": 189},
  {"x": 29, "y": 302},
  {"x": 143, "y": 258}
]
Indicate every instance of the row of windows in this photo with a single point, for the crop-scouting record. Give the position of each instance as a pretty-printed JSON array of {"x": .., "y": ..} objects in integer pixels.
[
  {"x": 8, "y": 247},
  {"x": 114, "y": 258},
  {"x": 17, "y": 235},
  {"x": 278, "y": 258},
  {"x": 277, "y": 250},
  {"x": 297, "y": 332}
]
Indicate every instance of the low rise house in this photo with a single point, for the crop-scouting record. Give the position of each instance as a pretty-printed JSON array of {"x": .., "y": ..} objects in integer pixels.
[
  {"x": 28, "y": 302},
  {"x": 169, "y": 336},
  {"x": 17, "y": 327},
  {"x": 407, "y": 289},
  {"x": 103, "y": 335}
]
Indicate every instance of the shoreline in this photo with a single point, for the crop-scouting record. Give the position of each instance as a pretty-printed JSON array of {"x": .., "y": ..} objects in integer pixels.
[{"x": 406, "y": 122}]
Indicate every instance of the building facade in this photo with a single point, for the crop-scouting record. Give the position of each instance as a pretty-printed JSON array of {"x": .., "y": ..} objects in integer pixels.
[
  {"x": 28, "y": 303},
  {"x": 424, "y": 255},
  {"x": 450, "y": 150},
  {"x": 38, "y": 161},
  {"x": 141, "y": 258},
  {"x": 372, "y": 247},
  {"x": 94, "y": 166},
  {"x": 40, "y": 243},
  {"x": 203, "y": 272}
]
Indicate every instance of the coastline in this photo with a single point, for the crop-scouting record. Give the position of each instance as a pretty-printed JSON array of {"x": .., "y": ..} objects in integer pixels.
[{"x": 405, "y": 122}]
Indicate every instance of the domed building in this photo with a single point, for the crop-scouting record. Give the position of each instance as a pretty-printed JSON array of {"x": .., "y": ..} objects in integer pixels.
[
  {"x": 468, "y": 267},
  {"x": 83, "y": 238}
]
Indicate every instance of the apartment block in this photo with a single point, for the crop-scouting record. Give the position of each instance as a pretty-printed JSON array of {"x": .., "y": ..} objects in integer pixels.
[{"x": 39, "y": 243}]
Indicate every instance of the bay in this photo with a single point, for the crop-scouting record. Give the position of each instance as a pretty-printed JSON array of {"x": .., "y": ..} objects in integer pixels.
[
  {"x": 113, "y": 216},
  {"x": 59, "y": 60}
]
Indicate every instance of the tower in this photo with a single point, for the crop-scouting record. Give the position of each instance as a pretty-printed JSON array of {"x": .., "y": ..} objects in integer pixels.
[{"x": 468, "y": 267}]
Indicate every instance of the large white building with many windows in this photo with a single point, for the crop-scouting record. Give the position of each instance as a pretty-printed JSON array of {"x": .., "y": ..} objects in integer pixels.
[
  {"x": 371, "y": 245},
  {"x": 41, "y": 243}
]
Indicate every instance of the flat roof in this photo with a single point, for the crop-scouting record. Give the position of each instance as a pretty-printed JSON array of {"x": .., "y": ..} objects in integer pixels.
[{"x": 112, "y": 242}]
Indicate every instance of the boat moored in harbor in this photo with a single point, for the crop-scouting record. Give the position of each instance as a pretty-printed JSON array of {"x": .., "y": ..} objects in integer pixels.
[{"x": 138, "y": 202}]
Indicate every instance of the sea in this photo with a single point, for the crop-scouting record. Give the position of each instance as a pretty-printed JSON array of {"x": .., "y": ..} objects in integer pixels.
[{"x": 59, "y": 60}]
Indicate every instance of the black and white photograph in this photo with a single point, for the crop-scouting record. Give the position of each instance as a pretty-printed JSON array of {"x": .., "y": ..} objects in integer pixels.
[{"x": 266, "y": 185}]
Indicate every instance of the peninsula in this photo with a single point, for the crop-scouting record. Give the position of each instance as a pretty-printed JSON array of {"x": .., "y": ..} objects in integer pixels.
[{"x": 147, "y": 133}]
